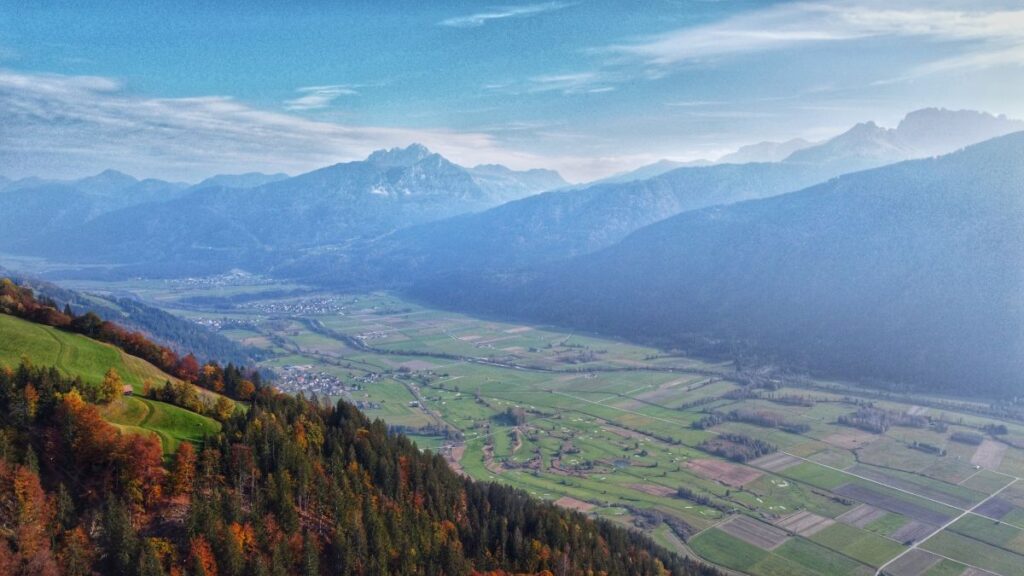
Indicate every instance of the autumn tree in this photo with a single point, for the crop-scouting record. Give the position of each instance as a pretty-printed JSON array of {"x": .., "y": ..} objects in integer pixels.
[
  {"x": 6, "y": 558},
  {"x": 112, "y": 387},
  {"x": 188, "y": 368},
  {"x": 31, "y": 399},
  {"x": 212, "y": 377},
  {"x": 183, "y": 475},
  {"x": 201, "y": 557},
  {"x": 26, "y": 513},
  {"x": 223, "y": 408},
  {"x": 244, "y": 390},
  {"x": 34, "y": 513},
  {"x": 142, "y": 475},
  {"x": 77, "y": 553},
  {"x": 88, "y": 444}
]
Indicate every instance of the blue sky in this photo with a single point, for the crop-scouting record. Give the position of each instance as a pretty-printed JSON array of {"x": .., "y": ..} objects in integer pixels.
[{"x": 185, "y": 89}]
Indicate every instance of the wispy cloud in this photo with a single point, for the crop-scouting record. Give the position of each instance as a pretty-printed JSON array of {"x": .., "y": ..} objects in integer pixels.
[
  {"x": 568, "y": 83},
  {"x": 70, "y": 126},
  {"x": 693, "y": 103},
  {"x": 315, "y": 97},
  {"x": 994, "y": 35},
  {"x": 501, "y": 13},
  {"x": 574, "y": 83},
  {"x": 975, "y": 60}
]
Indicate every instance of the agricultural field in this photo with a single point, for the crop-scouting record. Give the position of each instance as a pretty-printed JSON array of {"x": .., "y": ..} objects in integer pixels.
[{"x": 760, "y": 472}]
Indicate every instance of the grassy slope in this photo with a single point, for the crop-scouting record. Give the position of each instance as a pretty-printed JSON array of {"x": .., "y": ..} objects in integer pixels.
[
  {"x": 171, "y": 423},
  {"x": 76, "y": 355}
]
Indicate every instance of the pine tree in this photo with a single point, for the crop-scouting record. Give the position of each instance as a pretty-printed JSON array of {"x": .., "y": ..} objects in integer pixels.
[
  {"x": 119, "y": 540},
  {"x": 310, "y": 556},
  {"x": 149, "y": 564}
]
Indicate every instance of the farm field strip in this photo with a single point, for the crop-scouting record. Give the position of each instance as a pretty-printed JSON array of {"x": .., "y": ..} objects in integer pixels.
[
  {"x": 846, "y": 472},
  {"x": 976, "y": 555}
]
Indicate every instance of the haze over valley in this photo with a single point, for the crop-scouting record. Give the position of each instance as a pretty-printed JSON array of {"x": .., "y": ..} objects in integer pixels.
[{"x": 554, "y": 288}]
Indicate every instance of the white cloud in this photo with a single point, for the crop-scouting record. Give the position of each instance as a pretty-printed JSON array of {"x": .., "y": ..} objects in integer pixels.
[
  {"x": 996, "y": 33},
  {"x": 975, "y": 60},
  {"x": 564, "y": 83},
  {"x": 314, "y": 97},
  {"x": 694, "y": 103},
  {"x": 570, "y": 83},
  {"x": 71, "y": 126},
  {"x": 481, "y": 18}
]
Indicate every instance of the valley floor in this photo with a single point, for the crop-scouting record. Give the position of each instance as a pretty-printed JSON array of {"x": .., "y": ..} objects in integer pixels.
[{"x": 607, "y": 428}]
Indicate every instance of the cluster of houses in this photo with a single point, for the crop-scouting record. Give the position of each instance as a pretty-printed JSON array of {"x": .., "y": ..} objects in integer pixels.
[
  {"x": 231, "y": 278},
  {"x": 303, "y": 378},
  {"x": 311, "y": 306}
]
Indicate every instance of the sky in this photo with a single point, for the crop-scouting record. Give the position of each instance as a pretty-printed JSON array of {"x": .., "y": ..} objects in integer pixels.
[{"x": 186, "y": 89}]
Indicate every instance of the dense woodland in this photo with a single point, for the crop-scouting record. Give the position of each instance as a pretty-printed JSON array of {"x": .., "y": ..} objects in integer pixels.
[{"x": 287, "y": 487}]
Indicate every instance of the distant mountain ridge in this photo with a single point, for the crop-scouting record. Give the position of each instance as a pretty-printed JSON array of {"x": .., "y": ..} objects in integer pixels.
[
  {"x": 34, "y": 208},
  {"x": 247, "y": 180},
  {"x": 508, "y": 184},
  {"x": 210, "y": 228},
  {"x": 545, "y": 227},
  {"x": 575, "y": 221},
  {"x": 922, "y": 133},
  {"x": 648, "y": 171},
  {"x": 906, "y": 273},
  {"x": 765, "y": 152},
  {"x": 405, "y": 212}
]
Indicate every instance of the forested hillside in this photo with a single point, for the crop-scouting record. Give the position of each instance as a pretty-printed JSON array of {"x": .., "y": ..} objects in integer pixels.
[{"x": 287, "y": 486}]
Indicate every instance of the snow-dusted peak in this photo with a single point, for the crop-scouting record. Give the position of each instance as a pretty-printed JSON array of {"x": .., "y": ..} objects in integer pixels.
[{"x": 400, "y": 157}]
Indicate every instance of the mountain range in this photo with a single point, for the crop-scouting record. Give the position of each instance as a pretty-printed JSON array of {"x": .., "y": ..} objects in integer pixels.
[
  {"x": 923, "y": 133},
  {"x": 247, "y": 180},
  {"x": 412, "y": 208},
  {"x": 908, "y": 273},
  {"x": 544, "y": 227},
  {"x": 647, "y": 171},
  {"x": 210, "y": 226},
  {"x": 765, "y": 152},
  {"x": 844, "y": 256},
  {"x": 569, "y": 222}
]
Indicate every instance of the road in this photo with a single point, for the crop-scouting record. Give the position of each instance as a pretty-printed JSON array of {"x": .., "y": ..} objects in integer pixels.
[{"x": 881, "y": 569}]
